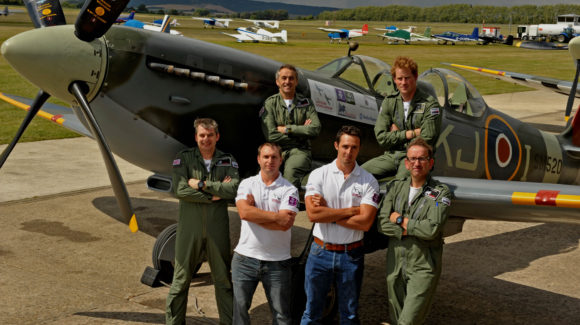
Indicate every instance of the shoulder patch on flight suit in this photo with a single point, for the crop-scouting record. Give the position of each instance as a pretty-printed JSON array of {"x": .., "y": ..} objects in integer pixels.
[
  {"x": 434, "y": 110},
  {"x": 303, "y": 102},
  {"x": 446, "y": 201},
  {"x": 223, "y": 162},
  {"x": 432, "y": 193},
  {"x": 176, "y": 162},
  {"x": 262, "y": 110}
]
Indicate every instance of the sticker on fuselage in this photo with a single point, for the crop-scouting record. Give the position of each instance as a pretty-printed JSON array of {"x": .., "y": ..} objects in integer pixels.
[{"x": 344, "y": 103}]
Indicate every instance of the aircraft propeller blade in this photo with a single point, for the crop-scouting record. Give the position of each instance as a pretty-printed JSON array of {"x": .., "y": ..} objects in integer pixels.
[
  {"x": 96, "y": 17},
  {"x": 572, "y": 92},
  {"x": 40, "y": 99},
  {"x": 45, "y": 13},
  {"x": 121, "y": 194}
]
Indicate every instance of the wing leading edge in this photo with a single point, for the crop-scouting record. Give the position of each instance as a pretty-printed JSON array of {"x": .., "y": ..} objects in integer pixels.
[
  {"x": 60, "y": 115},
  {"x": 514, "y": 201}
]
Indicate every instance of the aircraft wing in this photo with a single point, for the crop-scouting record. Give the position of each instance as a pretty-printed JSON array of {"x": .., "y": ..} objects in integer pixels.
[
  {"x": 60, "y": 115},
  {"x": 202, "y": 18},
  {"x": 393, "y": 38},
  {"x": 331, "y": 30},
  {"x": 240, "y": 37},
  {"x": 514, "y": 201},
  {"x": 560, "y": 86}
]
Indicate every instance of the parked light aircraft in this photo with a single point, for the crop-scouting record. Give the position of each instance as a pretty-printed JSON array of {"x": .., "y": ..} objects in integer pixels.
[
  {"x": 255, "y": 35},
  {"x": 453, "y": 37},
  {"x": 8, "y": 11},
  {"x": 214, "y": 22},
  {"x": 173, "y": 23},
  {"x": 345, "y": 34},
  {"x": 165, "y": 26},
  {"x": 124, "y": 19},
  {"x": 498, "y": 167},
  {"x": 407, "y": 37},
  {"x": 265, "y": 23}
]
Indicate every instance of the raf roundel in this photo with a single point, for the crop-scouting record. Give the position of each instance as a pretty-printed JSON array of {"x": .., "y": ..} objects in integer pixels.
[{"x": 503, "y": 150}]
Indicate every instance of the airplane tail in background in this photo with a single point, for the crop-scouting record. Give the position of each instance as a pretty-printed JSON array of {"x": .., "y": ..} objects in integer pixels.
[
  {"x": 427, "y": 32},
  {"x": 226, "y": 24},
  {"x": 475, "y": 33},
  {"x": 276, "y": 24},
  {"x": 131, "y": 15},
  {"x": 365, "y": 29},
  {"x": 165, "y": 25},
  {"x": 284, "y": 35}
]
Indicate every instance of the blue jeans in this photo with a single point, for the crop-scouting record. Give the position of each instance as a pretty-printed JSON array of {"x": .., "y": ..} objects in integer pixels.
[
  {"x": 276, "y": 279},
  {"x": 323, "y": 268}
]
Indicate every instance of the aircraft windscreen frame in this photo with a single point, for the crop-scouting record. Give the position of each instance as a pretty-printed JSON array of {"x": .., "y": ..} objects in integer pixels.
[
  {"x": 357, "y": 70},
  {"x": 455, "y": 92}
]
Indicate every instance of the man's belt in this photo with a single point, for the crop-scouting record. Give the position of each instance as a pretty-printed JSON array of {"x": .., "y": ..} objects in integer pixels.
[{"x": 338, "y": 247}]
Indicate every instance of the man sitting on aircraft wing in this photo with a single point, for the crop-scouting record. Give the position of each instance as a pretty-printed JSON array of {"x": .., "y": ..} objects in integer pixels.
[
  {"x": 406, "y": 113},
  {"x": 290, "y": 120}
]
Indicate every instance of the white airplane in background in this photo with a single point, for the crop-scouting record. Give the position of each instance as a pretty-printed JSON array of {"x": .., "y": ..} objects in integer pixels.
[
  {"x": 159, "y": 22},
  {"x": 255, "y": 35},
  {"x": 165, "y": 26},
  {"x": 265, "y": 23},
  {"x": 407, "y": 37},
  {"x": 345, "y": 34},
  {"x": 214, "y": 22}
]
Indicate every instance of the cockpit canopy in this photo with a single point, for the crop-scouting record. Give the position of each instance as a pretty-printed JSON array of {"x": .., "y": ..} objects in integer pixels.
[
  {"x": 374, "y": 76},
  {"x": 453, "y": 91}
]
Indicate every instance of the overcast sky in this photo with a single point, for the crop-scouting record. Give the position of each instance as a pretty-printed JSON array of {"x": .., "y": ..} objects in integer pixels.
[{"x": 420, "y": 3}]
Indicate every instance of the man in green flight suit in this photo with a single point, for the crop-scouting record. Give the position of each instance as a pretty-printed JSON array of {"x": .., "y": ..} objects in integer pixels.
[
  {"x": 407, "y": 112},
  {"x": 290, "y": 121},
  {"x": 413, "y": 214},
  {"x": 203, "y": 178}
]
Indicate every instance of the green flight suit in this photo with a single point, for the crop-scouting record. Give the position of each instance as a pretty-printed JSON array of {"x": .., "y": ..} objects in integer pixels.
[
  {"x": 424, "y": 113},
  {"x": 296, "y": 142},
  {"x": 414, "y": 260},
  {"x": 203, "y": 224}
]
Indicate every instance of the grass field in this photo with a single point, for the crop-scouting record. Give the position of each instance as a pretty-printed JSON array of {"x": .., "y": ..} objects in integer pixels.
[{"x": 307, "y": 48}]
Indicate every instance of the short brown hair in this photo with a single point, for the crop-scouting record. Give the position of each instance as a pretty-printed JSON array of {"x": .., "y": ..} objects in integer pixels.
[
  {"x": 206, "y": 123},
  {"x": 349, "y": 130},
  {"x": 271, "y": 145},
  {"x": 421, "y": 143},
  {"x": 289, "y": 67},
  {"x": 404, "y": 62}
]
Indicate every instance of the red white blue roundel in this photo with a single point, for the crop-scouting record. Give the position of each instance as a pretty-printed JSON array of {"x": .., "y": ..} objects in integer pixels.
[{"x": 503, "y": 151}]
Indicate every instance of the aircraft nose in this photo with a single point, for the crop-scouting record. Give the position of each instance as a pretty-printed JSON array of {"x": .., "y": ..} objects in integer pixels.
[{"x": 52, "y": 57}]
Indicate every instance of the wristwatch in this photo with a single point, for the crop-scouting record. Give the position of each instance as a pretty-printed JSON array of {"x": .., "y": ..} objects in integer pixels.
[
  {"x": 399, "y": 220},
  {"x": 200, "y": 185}
]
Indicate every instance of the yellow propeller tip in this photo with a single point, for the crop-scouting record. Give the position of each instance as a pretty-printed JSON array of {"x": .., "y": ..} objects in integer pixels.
[
  {"x": 566, "y": 118},
  {"x": 133, "y": 224}
]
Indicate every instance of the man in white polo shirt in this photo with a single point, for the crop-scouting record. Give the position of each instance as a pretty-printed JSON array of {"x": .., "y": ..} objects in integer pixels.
[
  {"x": 342, "y": 199},
  {"x": 267, "y": 204}
]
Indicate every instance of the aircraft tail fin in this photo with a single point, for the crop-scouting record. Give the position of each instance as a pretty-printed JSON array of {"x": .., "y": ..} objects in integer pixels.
[
  {"x": 365, "y": 29},
  {"x": 427, "y": 32},
  {"x": 227, "y": 23},
  {"x": 131, "y": 15},
  {"x": 276, "y": 24},
  {"x": 475, "y": 33},
  {"x": 165, "y": 25},
  {"x": 284, "y": 35}
]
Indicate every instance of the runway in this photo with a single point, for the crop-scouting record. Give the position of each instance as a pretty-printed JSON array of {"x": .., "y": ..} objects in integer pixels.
[{"x": 65, "y": 259}]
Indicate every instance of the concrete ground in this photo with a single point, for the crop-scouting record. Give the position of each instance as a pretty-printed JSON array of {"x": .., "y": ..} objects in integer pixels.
[{"x": 65, "y": 259}]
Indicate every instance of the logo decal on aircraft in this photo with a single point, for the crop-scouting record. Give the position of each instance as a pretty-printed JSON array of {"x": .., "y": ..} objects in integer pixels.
[{"x": 503, "y": 150}]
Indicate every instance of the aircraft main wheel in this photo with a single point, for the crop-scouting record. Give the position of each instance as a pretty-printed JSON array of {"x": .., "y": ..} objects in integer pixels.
[
  {"x": 561, "y": 38},
  {"x": 164, "y": 254}
]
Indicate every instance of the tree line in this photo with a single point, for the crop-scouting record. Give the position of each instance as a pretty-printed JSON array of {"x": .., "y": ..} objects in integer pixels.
[{"x": 460, "y": 13}]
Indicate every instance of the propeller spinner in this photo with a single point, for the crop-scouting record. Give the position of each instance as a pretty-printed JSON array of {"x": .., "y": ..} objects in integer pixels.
[{"x": 69, "y": 68}]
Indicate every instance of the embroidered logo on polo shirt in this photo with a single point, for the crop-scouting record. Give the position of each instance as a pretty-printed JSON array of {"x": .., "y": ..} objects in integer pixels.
[
  {"x": 276, "y": 198},
  {"x": 356, "y": 191},
  {"x": 292, "y": 201},
  {"x": 376, "y": 197}
]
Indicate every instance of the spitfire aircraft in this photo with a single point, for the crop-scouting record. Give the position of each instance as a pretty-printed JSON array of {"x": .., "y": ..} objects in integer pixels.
[
  {"x": 498, "y": 167},
  {"x": 214, "y": 22},
  {"x": 254, "y": 35},
  {"x": 453, "y": 37},
  {"x": 265, "y": 23},
  {"x": 345, "y": 34}
]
